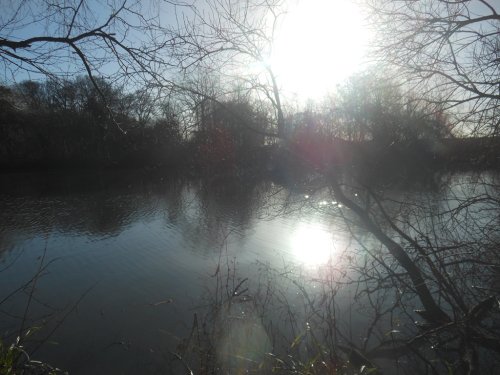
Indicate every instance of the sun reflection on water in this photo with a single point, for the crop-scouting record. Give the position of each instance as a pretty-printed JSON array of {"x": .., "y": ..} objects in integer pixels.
[{"x": 312, "y": 245}]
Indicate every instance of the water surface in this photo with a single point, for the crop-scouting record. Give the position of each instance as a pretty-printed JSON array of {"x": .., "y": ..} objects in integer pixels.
[
  {"x": 126, "y": 259},
  {"x": 130, "y": 258}
]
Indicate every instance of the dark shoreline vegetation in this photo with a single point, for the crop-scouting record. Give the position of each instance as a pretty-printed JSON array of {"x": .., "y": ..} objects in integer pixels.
[{"x": 65, "y": 125}]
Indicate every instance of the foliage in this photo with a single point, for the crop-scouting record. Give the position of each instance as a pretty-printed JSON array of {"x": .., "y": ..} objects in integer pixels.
[
  {"x": 65, "y": 123},
  {"x": 229, "y": 131}
]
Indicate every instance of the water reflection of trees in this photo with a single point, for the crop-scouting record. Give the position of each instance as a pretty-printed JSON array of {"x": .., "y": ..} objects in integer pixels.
[
  {"x": 215, "y": 210},
  {"x": 85, "y": 207},
  {"x": 428, "y": 289},
  {"x": 417, "y": 293},
  {"x": 102, "y": 205}
]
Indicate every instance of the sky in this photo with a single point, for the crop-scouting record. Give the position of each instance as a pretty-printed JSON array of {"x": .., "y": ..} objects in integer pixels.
[{"x": 318, "y": 43}]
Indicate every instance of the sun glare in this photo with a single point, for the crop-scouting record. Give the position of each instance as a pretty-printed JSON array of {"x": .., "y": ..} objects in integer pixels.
[
  {"x": 312, "y": 245},
  {"x": 319, "y": 44}
]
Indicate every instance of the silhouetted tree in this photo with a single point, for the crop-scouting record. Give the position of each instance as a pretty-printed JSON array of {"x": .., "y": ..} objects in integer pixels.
[
  {"x": 120, "y": 40},
  {"x": 32, "y": 94},
  {"x": 228, "y": 36},
  {"x": 447, "y": 52},
  {"x": 64, "y": 122},
  {"x": 372, "y": 106}
]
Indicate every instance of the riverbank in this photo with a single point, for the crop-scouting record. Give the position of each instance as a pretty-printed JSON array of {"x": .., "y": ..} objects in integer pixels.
[{"x": 450, "y": 154}]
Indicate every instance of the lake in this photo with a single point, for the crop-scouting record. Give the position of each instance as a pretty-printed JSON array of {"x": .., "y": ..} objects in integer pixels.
[{"x": 128, "y": 262}]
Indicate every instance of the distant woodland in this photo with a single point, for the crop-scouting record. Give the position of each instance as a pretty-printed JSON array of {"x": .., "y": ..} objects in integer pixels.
[{"x": 65, "y": 123}]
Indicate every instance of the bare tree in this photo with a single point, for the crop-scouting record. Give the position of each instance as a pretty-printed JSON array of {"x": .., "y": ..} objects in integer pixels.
[
  {"x": 122, "y": 41},
  {"x": 234, "y": 39},
  {"x": 103, "y": 38},
  {"x": 133, "y": 43},
  {"x": 448, "y": 52}
]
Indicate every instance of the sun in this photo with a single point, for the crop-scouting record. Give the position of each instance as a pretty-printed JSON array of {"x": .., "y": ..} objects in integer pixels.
[{"x": 319, "y": 44}]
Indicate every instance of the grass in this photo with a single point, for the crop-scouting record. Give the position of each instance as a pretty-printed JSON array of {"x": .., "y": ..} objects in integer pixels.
[
  {"x": 14, "y": 360},
  {"x": 255, "y": 327}
]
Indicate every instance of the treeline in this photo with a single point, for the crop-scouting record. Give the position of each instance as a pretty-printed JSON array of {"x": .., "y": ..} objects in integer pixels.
[
  {"x": 68, "y": 123},
  {"x": 73, "y": 123}
]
